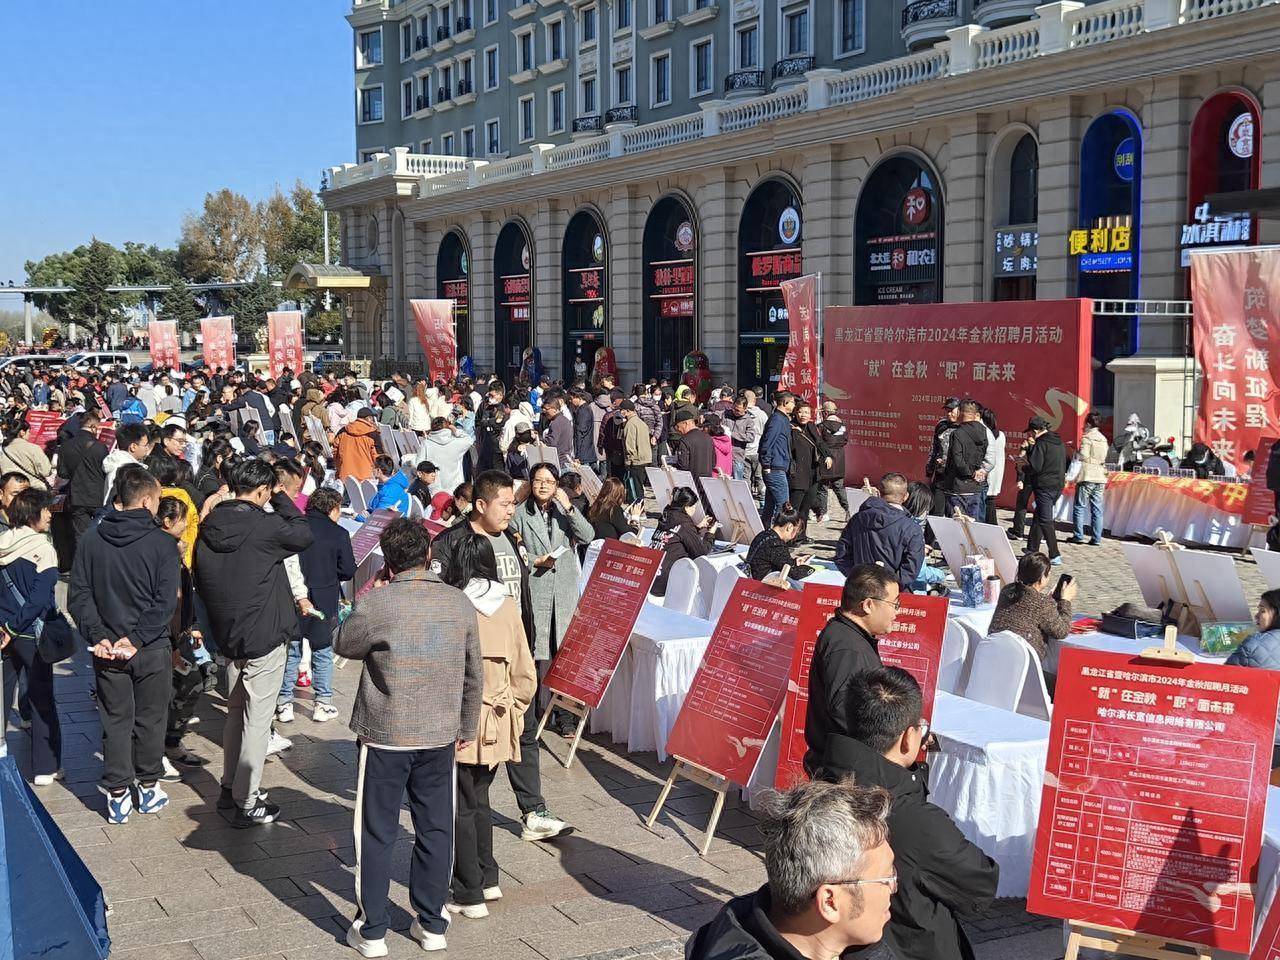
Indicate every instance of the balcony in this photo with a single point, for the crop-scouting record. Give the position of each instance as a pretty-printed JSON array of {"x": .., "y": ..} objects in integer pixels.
[
  {"x": 925, "y": 22},
  {"x": 587, "y": 126},
  {"x": 442, "y": 32},
  {"x": 744, "y": 83},
  {"x": 791, "y": 70},
  {"x": 627, "y": 115},
  {"x": 443, "y": 100},
  {"x": 1000, "y": 13},
  {"x": 522, "y": 10},
  {"x": 463, "y": 32},
  {"x": 466, "y": 92}
]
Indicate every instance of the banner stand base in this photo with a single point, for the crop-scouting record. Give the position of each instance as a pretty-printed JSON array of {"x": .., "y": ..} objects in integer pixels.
[
  {"x": 1129, "y": 943},
  {"x": 569, "y": 705},
  {"x": 699, "y": 775}
]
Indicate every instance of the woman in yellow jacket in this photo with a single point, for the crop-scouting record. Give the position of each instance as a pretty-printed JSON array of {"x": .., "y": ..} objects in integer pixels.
[
  {"x": 510, "y": 682},
  {"x": 166, "y": 470}
]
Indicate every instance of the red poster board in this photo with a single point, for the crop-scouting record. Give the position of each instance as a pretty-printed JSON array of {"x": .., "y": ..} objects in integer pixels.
[
  {"x": 163, "y": 335},
  {"x": 107, "y": 434},
  {"x": 890, "y": 368},
  {"x": 601, "y": 627},
  {"x": 437, "y": 334},
  {"x": 914, "y": 642},
  {"x": 219, "y": 343},
  {"x": 740, "y": 684},
  {"x": 1260, "y": 503},
  {"x": 1155, "y": 789},
  {"x": 284, "y": 341},
  {"x": 44, "y": 426},
  {"x": 818, "y": 602},
  {"x": 365, "y": 539},
  {"x": 1267, "y": 946}
]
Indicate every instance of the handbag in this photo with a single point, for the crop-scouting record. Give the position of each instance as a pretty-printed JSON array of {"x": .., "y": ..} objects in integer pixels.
[{"x": 55, "y": 640}]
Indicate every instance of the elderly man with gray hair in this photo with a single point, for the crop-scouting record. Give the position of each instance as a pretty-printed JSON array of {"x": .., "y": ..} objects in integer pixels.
[{"x": 830, "y": 876}]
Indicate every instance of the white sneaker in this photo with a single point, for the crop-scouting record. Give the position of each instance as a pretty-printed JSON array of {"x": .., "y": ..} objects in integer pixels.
[
  {"x": 284, "y": 713},
  {"x": 541, "y": 825},
  {"x": 472, "y": 911},
  {"x": 171, "y": 773},
  {"x": 46, "y": 779},
  {"x": 424, "y": 939},
  {"x": 324, "y": 712},
  {"x": 366, "y": 948},
  {"x": 492, "y": 893},
  {"x": 278, "y": 744}
]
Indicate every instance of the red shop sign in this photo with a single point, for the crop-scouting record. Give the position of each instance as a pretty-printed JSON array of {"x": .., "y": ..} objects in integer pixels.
[
  {"x": 769, "y": 268},
  {"x": 516, "y": 288},
  {"x": 456, "y": 289}
]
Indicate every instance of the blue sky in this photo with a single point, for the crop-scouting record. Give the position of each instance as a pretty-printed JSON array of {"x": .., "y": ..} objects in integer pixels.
[{"x": 118, "y": 116}]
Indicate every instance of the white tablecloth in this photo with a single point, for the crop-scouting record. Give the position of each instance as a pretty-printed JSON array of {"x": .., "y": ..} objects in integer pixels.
[
  {"x": 1110, "y": 643},
  {"x": 1144, "y": 509}
]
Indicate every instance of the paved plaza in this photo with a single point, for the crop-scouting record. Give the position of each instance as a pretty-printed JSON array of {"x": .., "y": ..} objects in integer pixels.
[{"x": 184, "y": 885}]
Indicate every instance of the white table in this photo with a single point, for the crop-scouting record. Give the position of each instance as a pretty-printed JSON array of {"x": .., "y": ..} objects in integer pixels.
[{"x": 1110, "y": 643}]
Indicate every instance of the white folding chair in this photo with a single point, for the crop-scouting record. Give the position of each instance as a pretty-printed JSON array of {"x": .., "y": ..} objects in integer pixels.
[
  {"x": 682, "y": 586},
  {"x": 370, "y": 490},
  {"x": 1034, "y": 701},
  {"x": 975, "y": 637},
  {"x": 589, "y": 563},
  {"x": 355, "y": 492},
  {"x": 725, "y": 580},
  {"x": 955, "y": 654},
  {"x": 1000, "y": 666},
  {"x": 707, "y": 573}
]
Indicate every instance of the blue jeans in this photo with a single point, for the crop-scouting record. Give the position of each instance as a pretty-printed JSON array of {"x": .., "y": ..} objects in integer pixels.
[
  {"x": 1089, "y": 501},
  {"x": 321, "y": 673},
  {"x": 776, "y": 492},
  {"x": 970, "y": 504}
]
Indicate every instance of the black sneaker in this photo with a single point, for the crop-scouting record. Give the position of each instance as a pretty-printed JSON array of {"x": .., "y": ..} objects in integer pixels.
[
  {"x": 1013, "y": 535},
  {"x": 226, "y": 802},
  {"x": 185, "y": 758},
  {"x": 261, "y": 813}
]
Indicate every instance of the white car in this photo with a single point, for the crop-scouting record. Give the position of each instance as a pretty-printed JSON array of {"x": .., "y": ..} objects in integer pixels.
[
  {"x": 32, "y": 359},
  {"x": 101, "y": 359}
]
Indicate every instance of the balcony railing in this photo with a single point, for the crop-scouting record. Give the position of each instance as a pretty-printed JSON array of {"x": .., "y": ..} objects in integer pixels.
[
  {"x": 442, "y": 32},
  {"x": 464, "y": 87},
  {"x": 591, "y": 124},
  {"x": 792, "y": 67},
  {"x": 921, "y": 11},
  {"x": 621, "y": 115},
  {"x": 463, "y": 24},
  {"x": 742, "y": 81},
  {"x": 422, "y": 102},
  {"x": 420, "y": 41},
  {"x": 442, "y": 94}
]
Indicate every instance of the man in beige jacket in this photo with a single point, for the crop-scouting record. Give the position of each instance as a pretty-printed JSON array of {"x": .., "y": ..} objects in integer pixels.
[{"x": 637, "y": 450}]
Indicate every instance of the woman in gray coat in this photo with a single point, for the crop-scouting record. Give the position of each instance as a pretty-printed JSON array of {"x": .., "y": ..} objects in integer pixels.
[{"x": 546, "y": 522}]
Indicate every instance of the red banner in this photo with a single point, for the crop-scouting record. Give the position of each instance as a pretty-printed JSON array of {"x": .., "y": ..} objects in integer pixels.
[
  {"x": 364, "y": 540},
  {"x": 434, "y": 322},
  {"x": 44, "y": 425},
  {"x": 1226, "y": 497},
  {"x": 738, "y": 689},
  {"x": 1154, "y": 792},
  {"x": 800, "y": 365},
  {"x": 163, "y": 335},
  {"x": 284, "y": 341},
  {"x": 914, "y": 642},
  {"x": 1267, "y": 946},
  {"x": 1235, "y": 296},
  {"x": 219, "y": 343},
  {"x": 1260, "y": 503},
  {"x": 889, "y": 369},
  {"x": 601, "y": 627}
]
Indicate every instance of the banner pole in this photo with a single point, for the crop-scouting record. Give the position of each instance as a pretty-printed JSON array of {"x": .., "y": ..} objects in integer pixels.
[{"x": 822, "y": 313}]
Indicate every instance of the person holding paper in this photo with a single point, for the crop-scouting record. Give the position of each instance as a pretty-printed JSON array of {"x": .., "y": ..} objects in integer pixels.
[
  {"x": 1030, "y": 609},
  {"x": 770, "y": 551},
  {"x": 610, "y": 519},
  {"x": 678, "y": 536}
]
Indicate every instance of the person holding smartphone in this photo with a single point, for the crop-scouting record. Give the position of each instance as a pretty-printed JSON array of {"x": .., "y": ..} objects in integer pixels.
[
  {"x": 770, "y": 551},
  {"x": 1031, "y": 610},
  {"x": 679, "y": 536}
]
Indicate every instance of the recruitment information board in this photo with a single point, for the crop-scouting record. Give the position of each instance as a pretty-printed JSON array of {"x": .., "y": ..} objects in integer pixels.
[{"x": 1155, "y": 789}]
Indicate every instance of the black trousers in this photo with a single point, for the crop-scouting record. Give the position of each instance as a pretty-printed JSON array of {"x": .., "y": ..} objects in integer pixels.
[
  {"x": 526, "y": 775},
  {"x": 46, "y": 730},
  {"x": 804, "y": 501},
  {"x": 474, "y": 867},
  {"x": 1020, "y": 510},
  {"x": 383, "y": 778},
  {"x": 133, "y": 704},
  {"x": 186, "y": 695},
  {"x": 835, "y": 486},
  {"x": 1042, "y": 522},
  {"x": 81, "y": 518}
]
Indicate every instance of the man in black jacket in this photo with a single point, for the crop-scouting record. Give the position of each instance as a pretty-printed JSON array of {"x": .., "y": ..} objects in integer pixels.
[
  {"x": 933, "y": 468},
  {"x": 80, "y": 462},
  {"x": 1045, "y": 474},
  {"x": 846, "y": 647},
  {"x": 240, "y": 575},
  {"x": 584, "y": 429},
  {"x": 490, "y": 420},
  {"x": 692, "y": 449},
  {"x": 963, "y": 451},
  {"x": 940, "y": 873},
  {"x": 124, "y": 587}
]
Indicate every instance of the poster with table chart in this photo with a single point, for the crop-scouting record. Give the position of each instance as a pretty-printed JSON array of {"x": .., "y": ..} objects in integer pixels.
[
  {"x": 364, "y": 540},
  {"x": 590, "y": 481},
  {"x": 914, "y": 642},
  {"x": 1154, "y": 794},
  {"x": 818, "y": 602}
]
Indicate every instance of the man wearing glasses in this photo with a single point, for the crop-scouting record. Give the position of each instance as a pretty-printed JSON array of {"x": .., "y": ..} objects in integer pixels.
[
  {"x": 845, "y": 648},
  {"x": 830, "y": 877},
  {"x": 941, "y": 874}
]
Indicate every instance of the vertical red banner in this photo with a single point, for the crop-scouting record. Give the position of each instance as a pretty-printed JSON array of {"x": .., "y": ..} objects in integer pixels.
[
  {"x": 800, "y": 365},
  {"x": 164, "y": 344},
  {"x": 1236, "y": 309},
  {"x": 219, "y": 343},
  {"x": 284, "y": 341},
  {"x": 435, "y": 325},
  {"x": 1260, "y": 502}
]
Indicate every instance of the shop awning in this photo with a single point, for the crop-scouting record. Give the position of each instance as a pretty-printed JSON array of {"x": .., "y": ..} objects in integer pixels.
[{"x": 319, "y": 276}]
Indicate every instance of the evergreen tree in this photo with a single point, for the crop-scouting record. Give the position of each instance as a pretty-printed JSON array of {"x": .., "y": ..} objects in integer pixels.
[{"x": 180, "y": 304}]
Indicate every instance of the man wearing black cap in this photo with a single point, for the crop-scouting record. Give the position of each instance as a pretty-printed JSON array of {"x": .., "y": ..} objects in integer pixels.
[
  {"x": 692, "y": 448},
  {"x": 637, "y": 450},
  {"x": 1045, "y": 474},
  {"x": 611, "y": 436}
]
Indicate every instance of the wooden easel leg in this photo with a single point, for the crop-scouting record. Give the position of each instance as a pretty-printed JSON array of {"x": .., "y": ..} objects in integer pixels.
[
  {"x": 1073, "y": 946},
  {"x": 662, "y": 797},
  {"x": 577, "y": 738},
  {"x": 546, "y": 715},
  {"x": 716, "y": 809}
]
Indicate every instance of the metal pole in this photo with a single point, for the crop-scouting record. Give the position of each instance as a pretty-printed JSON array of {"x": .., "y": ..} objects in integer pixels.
[
  {"x": 328, "y": 296},
  {"x": 26, "y": 318}
]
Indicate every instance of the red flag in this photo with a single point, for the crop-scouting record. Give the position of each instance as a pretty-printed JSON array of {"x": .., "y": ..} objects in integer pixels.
[
  {"x": 219, "y": 346},
  {"x": 1235, "y": 297},
  {"x": 800, "y": 366},
  {"x": 438, "y": 336},
  {"x": 164, "y": 344},
  {"x": 284, "y": 341}
]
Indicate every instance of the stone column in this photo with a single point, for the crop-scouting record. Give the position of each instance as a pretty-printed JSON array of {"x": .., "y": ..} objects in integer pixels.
[
  {"x": 1269, "y": 227},
  {"x": 482, "y": 234},
  {"x": 1061, "y": 126},
  {"x": 965, "y": 192},
  {"x": 624, "y": 315},
  {"x": 1167, "y": 126},
  {"x": 718, "y": 211},
  {"x": 548, "y": 298},
  {"x": 826, "y": 222}
]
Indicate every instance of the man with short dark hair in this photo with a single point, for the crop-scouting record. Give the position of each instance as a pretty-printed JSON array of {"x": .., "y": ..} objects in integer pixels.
[
  {"x": 637, "y": 450},
  {"x": 846, "y": 647},
  {"x": 393, "y": 487},
  {"x": 80, "y": 459},
  {"x": 883, "y": 532},
  {"x": 558, "y": 429},
  {"x": 692, "y": 447},
  {"x": 775, "y": 455},
  {"x": 933, "y": 467},
  {"x": 584, "y": 429},
  {"x": 940, "y": 873},
  {"x": 173, "y": 438},
  {"x": 133, "y": 445},
  {"x": 963, "y": 454},
  {"x": 12, "y": 484},
  {"x": 1045, "y": 475}
]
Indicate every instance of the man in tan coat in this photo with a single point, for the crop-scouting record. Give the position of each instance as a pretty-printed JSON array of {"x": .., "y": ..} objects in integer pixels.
[{"x": 637, "y": 449}]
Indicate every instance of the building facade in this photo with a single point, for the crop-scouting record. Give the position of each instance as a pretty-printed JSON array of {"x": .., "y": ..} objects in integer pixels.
[{"x": 970, "y": 150}]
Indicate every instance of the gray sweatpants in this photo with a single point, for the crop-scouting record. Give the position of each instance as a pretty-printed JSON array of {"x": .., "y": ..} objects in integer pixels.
[{"x": 254, "y": 687}]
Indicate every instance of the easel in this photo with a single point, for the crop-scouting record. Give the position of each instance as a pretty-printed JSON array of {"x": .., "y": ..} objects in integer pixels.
[
  {"x": 703, "y": 777},
  {"x": 1188, "y": 619},
  {"x": 964, "y": 520},
  {"x": 741, "y": 527},
  {"x": 569, "y": 705}
]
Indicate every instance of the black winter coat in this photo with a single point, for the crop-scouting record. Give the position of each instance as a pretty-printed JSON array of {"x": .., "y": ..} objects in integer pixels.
[
  {"x": 1046, "y": 467},
  {"x": 807, "y": 455},
  {"x": 614, "y": 526},
  {"x": 694, "y": 451},
  {"x": 834, "y": 437},
  {"x": 843, "y": 650},
  {"x": 769, "y": 554},
  {"x": 742, "y": 930},
  {"x": 584, "y": 433},
  {"x": 677, "y": 536},
  {"x": 80, "y": 462},
  {"x": 885, "y": 534},
  {"x": 327, "y": 563}
]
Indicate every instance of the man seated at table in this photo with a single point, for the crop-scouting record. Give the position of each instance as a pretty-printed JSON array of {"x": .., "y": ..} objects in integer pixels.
[
  {"x": 883, "y": 532},
  {"x": 940, "y": 873},
  {"x": 846, "y": 647},
  {"x": 830, "y": 876}
]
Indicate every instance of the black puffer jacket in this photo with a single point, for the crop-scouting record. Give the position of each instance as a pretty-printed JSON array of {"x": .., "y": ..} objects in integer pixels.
[
  {"x": 769, "y": 554},
  {"x": 1046, "y": 467},
  {"x": 80, "y": 461},
  {"x": 834, "y": 437},
  {"x": 677, "y": 536}
]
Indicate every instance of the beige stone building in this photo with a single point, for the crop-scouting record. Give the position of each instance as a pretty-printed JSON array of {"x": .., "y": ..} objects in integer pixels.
[{"x": 1068, "y": 153}]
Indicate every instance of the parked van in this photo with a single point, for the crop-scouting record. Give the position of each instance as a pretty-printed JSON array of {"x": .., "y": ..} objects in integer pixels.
[
  {"x": 32, "y": 359},
  {"x": 102, "y": 360}
]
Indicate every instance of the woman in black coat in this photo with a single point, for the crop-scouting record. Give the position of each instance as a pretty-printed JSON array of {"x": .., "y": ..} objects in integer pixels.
[
  {"x": 808, "y": 456},
  {"x": 610, "y": 519},
  {"x": 678, "y": 536},
  {"x": 770, "y": 551}
]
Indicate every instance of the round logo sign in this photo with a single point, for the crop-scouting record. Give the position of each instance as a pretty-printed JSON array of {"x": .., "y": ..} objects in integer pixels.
[
  {"x": 773, "y": 314},
  {"x": 684, "y": 237},
  {"x": 1125, "y": 159},
  {"x": 524, "y": 257},
  {"x": 1240, "y": 136},
  {"x": 463, "y": 263},
  {"x": 597, "y": 248},
  {"x": 915, "y": 206},
  {"x": 899, "y": 259},
  {"x": 789, "y": 225}
]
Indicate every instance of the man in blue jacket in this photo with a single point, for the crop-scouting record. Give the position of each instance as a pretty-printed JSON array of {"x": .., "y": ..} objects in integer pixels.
[
  {"x": 883, "y": 532},
  {"x": 393, "y": 487},
  {"x": 775, "y": 455}
]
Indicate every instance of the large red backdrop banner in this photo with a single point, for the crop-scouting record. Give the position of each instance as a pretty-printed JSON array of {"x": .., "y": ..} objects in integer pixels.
[
  {"x": 889, "y": 369},
  {"x": 1236, "y": 299}
]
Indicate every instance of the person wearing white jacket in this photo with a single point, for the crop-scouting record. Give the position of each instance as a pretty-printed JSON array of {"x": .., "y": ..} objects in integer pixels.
[
  {"x": 996, "y": 468},
  {"x": 419, "y": 409},
  {"x": 446, "y": 446},
  {"x": 521, "y": 415}
]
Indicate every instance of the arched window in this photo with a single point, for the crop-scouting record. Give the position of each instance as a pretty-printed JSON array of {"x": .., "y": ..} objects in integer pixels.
[
  {"x": 453, "y": 282},
  {"x": 769, "y": 252},
  {"x": 898, "y": 235},
  {"x": 584, "y": 260},
  {"x": 670, "y": 287},
  {"x": 1024, "y": 176}
]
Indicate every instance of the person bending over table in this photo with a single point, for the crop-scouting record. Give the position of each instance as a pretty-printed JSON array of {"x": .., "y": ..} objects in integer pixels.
[
  {"x": 678, "y": 536},
  {"x": 1029, "y": 608},
  {"x": 770, "y": 551},
  {"x": 1261, "y": 649}
]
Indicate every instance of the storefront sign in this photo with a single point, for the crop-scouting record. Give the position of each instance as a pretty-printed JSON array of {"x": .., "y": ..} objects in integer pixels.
[
  {"x": 597, "y": 636},
  {"x": 1240, "y": 136},
  {"x": 219, "y": 343},
  {"x": 1207, "y": 230},
  {"x": 438, "y": 336},
  {"x": 515, "y": 294},
  {"x": 903, "y": 267},
  {"x": 916, "y": 207},
  {"x": 789, "y": 226},
  {"x": 1016, "y": 252},
  {"x": 1154, "y": 793},
  {"x": 673, "y": 287},
  {"x": 284, "y": 341},
  {"x": 1125, "y": 158},
  {"x": 588, "y": 284},
  {"x": 1103, "y": 248},
  {"x": 597, "y": 248},
  {"x": 163, "y": 335},
  {"x": 524, "y": 257},
  {"x": 456, "y": 289},
  {"x": 684, "y": 237},
  {"x": 770, "y": 267}
]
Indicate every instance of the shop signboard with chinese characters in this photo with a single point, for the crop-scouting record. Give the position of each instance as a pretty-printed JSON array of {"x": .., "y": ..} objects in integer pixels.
[
  {"x": 889, "y": 369},
  {"x": 1106, "y": 247},
  {"x": 1015, "y": 251},
  {"x": 673, "y": 287},
  {"x": 903, "y": 267},
  {"x": 1155, "y": 790},
  {"x": 459, "y": 291},
  {"x": 515, "y": 296},
  {"x": 1235, "y": 302},
  {"x": 1208, "y": 230},
  {"x": 770, "y": 268}
]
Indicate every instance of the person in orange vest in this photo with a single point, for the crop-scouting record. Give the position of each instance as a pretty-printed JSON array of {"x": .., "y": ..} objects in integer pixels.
[{"x": 356, "y": 446}]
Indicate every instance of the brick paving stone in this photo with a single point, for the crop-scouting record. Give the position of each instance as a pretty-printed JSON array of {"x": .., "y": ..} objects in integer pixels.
[
  {"x": 191, "y": 926},
  {"x": 586, "y": 939}
]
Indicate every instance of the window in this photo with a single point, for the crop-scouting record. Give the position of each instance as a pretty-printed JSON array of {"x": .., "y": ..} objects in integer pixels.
[
  {"x": 490, "y": 11},
  {"x": 660, "y": 79},
  {"x": 1024, "y": 170},
  {"x": 796, "y": 32},
  {"x": 469, "y": 142},
  {"x": 371, "y": 105},
  {"x": 526, "y": 50},
  {"x": 589, "y": 96},
  {"x": 406, "y": 99},
  {"x": 466, "y": 82},
  {"x": 426, "y": 147},
  {"x": 555, "y": 107},
  {"x": 622, "y": 76},
  {"x": 849, "y": 32},
  {"x": 406, "y": 40},
  {"x": 526, "y": 119},
  {"x": 701, "y": 4},
  {"x": 424, "y": 89},
  {"x": 446, "y": 82},
  {"x": 447, "y": 144},
  {"x": 624, "y": 13},
  {"x": 491, "y": 68},
  {"x": 703, "y": 67},
  {"x": 661, "y": 11},
  {"x": 371, "y": 48},
  {"x": 749, "y": 47},
  {"x": 424, "y": 28},
  {"x": 367, "y": 155},
  {"x": 555, "y": 40},
  {"x": 492, "y": 137},
  {"x": 588, "y": 24}
]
